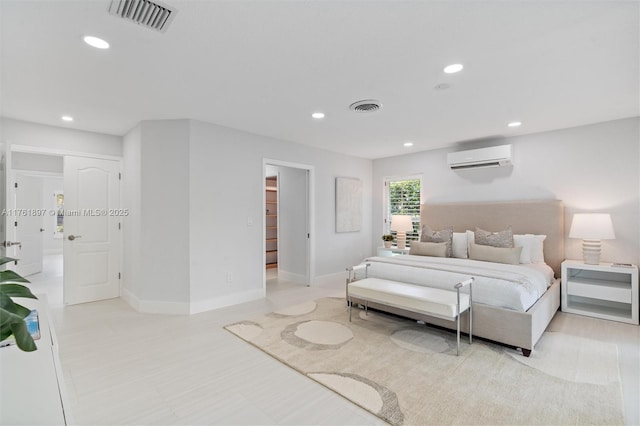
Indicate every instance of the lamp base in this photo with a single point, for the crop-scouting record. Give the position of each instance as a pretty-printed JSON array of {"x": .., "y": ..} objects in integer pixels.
[
  {"x": 591, "y": 250},
  {"x": 401, "y": 240}
]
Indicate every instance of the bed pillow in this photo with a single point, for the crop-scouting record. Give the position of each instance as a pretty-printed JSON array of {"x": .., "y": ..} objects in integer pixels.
[
  {"x": 532, "y": 247},
  {"x": 459, "y": 245},
  {"x": 471, "y": 237},
  {"x": 494, "y": 239},
  {"x": 428, "y": 249},
  {"x": 509, "y": 255},
  {"x": 442, "y": 236}
]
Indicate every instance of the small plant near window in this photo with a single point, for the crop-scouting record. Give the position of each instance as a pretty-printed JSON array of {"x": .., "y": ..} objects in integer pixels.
[
  {"x": 387, "y": 237},
  {"x": 12, "y": 315}
]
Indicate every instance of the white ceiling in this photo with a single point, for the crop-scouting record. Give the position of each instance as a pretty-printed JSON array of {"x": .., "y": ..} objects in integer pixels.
[{"x": 265, "y": 66}]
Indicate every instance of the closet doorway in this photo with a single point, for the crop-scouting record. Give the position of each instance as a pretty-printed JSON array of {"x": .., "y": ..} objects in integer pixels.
[{"x": 287, "y": 224}]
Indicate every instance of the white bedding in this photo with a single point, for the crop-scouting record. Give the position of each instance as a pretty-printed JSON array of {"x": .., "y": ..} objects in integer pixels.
[{"x": 515, "y": 287}]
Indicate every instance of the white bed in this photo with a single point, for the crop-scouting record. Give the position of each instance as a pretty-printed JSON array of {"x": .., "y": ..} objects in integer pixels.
[
  {"x": 515, "y": 314},
  {"x": 515, "y": 287}
]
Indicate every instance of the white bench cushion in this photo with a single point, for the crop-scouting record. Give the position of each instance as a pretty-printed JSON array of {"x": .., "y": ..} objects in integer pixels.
[{"x": 424, "y": 300}]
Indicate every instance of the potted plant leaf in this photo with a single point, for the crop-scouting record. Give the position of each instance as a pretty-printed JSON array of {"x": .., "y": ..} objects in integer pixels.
[
  {"x": 12, "y": 315},
  {"x": 387, "y": 240}
]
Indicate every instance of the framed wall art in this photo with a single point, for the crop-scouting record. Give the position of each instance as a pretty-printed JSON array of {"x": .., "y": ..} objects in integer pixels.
[{"x": 348, "y": 204}]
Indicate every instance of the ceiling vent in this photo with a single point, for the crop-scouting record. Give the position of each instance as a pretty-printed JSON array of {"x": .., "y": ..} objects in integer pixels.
[
  {"x": 368, "y": 105},
  {"x": 153, "y": 15}
]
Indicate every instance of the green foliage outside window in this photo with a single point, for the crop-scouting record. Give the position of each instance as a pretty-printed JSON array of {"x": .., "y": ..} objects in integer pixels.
[{"x": 404, "y": 198}]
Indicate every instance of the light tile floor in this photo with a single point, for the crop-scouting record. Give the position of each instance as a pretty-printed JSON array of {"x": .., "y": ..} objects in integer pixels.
[{"x": 124, "y": 367}]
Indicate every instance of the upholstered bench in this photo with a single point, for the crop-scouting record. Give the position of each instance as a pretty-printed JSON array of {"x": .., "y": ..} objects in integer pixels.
[{"x": 445, "y": 304}]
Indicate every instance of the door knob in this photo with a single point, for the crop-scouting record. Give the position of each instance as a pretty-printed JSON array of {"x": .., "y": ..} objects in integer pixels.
[
  {"x": 73, "y": 237},
  {"x": 41, "y": 229},
  {"x": 12, "y": 243}
]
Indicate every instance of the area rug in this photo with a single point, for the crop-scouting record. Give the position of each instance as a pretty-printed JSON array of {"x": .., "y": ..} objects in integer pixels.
[{"x": 407, "y": 373}]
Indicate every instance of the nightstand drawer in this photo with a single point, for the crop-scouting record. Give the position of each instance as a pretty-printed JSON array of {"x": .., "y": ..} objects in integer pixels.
[{"x": 613, "y": 291}]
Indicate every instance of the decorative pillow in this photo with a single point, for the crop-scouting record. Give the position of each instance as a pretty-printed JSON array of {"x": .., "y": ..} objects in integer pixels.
[
  {"x": 509, "y": 255},
  {"x": 443, "y": 236},
  {"x": 459, "y": 245},
  {"x": 532, "y": 247},
  {"x": 428, "y": 249},
  {"x": 494, "y": 239},
  {"x": 471, "y": 237}
]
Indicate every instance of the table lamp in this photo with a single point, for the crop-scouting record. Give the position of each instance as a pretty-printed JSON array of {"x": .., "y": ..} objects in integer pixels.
[
  {"x": 401, "y": 223},
  {"x": 591, "y": 227}
]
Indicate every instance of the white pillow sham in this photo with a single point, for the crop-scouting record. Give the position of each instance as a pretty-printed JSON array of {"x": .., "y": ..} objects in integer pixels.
[
  {"x": 532, "y": 247},
  {"x": 459, "y": 245}
]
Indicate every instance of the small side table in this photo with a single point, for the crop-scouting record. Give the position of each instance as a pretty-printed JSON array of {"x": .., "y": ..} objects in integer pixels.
[
  {"x": 391, "y": 251},
  {"x": 603, "y": 291}
]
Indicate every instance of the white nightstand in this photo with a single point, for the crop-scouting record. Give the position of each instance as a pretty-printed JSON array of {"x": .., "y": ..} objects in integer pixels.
[
  {"x": 601, "y": 291},
  {"x": 391, "y": 251}
]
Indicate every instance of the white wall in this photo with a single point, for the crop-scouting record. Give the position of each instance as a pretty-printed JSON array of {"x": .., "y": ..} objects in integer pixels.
[
  {"x": 590, "y": 168},
  {"x": 131, "y": 199},
  {"x": 37, "y": 162},
  {"x": 156, "y": 192},
  {"x": 17, "y": 132},
  {"x": 226, "y": 184}
]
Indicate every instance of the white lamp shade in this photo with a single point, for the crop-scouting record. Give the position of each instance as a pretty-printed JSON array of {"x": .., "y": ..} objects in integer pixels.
[
  {"x": 592, "y": 226},
  {"x": 401, "y": 223}
]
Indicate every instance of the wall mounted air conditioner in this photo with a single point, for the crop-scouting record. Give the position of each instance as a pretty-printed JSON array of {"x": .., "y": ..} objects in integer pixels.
[{"x": 494, "y": 156}]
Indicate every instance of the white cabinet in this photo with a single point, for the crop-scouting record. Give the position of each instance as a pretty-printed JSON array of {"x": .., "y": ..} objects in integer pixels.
[
  {"x": 32, "y": 390},
  {"x": 602, "y": 291}
]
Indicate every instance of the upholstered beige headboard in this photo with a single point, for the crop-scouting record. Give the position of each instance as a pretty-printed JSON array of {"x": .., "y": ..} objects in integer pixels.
[{"x": 525, "y": 217}]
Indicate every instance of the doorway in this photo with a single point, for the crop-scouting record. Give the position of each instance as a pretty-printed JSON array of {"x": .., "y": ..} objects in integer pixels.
[
  {"x": 70, "y": 249},
  {"x": 288, "y": 222},
  {"x": 35, "y": 183}
]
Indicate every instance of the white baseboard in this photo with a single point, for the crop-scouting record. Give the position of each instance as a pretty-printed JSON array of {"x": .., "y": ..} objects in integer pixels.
[
  {"x": 293, "y": 277},
  {"x": 184, "y": 308},
  {"x": 228, "y": 300},
  {"x": 329, "y": 278},
  {"x": 154, "y": 306}
]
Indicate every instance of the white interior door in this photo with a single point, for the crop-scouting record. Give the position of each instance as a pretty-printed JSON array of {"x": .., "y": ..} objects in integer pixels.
[
  {"x": 28, "y": 221},
  {"x": 91, "y": 229}
]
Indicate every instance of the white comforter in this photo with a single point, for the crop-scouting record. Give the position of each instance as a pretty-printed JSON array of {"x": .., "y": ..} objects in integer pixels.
[{"x": 514, "y": 287}]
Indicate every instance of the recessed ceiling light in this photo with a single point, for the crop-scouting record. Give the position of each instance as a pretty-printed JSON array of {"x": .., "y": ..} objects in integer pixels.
[
  {"x": 407, "y": 144},
  {"x": 96, "y": 42},
  {"x": 453, "y": 68},
  {"x": 67, "y": 118},
  {"x": 317, "y": 115},
  {"x": 514, "y": 124}
]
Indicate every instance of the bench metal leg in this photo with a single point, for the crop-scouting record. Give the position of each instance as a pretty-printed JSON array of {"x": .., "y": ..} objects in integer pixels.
[
  {"x": 366, "y": 307},
  {"x": 470, "y": 311},
  {"x": 458, "y": 335},
  {"x": 350, "y": 305},
  {"x": 470, "y": 324}
]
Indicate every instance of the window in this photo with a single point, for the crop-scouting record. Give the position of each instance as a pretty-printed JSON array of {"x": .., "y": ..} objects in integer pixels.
[
  {"x": 402, "y": 196},
  {"x": 59, "y": 218}
]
